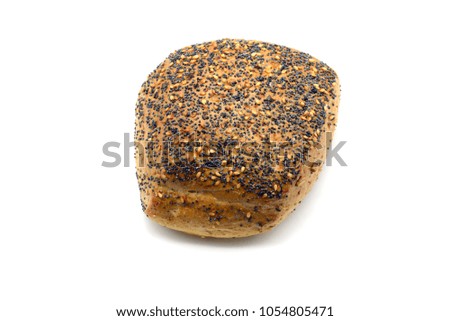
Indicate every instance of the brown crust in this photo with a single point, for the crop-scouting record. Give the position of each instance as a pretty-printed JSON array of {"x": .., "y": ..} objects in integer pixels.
[{"x": 231, "y": 135}]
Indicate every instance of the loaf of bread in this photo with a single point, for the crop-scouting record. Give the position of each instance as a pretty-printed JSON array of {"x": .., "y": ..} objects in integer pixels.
[{"x": 231, "y": 135}]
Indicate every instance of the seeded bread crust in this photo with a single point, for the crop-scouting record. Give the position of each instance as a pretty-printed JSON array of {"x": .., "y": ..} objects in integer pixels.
[{"x": 231, "y": 135}]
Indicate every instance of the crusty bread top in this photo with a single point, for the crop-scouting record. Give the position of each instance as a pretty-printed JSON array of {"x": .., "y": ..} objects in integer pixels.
[{"x": 232, "y": 115}]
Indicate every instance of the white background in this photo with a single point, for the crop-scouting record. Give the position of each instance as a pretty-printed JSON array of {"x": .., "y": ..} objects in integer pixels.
[{"x": 371, "y": 239}]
